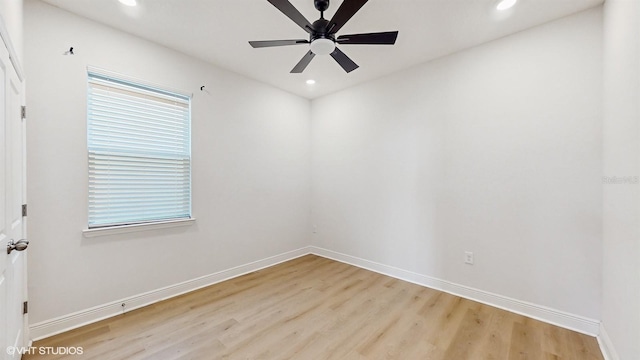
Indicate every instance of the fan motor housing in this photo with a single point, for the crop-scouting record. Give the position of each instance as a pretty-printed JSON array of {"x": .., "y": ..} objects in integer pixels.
[{"x": 320, "y": 29}]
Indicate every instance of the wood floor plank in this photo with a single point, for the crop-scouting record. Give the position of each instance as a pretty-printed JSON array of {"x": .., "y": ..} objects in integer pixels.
[
  {"x": 498, "y": 335},
  {"x": 525, "y": 342},
  {"x": 316, "y": 308},
  {"x": 468, "y": 336}
]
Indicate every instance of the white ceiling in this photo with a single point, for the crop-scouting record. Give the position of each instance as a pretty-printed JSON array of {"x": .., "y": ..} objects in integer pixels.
[{"x": 218, "y": 32}]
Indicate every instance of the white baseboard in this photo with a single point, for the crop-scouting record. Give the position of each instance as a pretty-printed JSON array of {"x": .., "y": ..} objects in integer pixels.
[
  {"x": 64, "y": 323},
  {"x": 556, "y": 317},
  {"x": 570, "y": 321},
  {"x": 606, "y": 346}
]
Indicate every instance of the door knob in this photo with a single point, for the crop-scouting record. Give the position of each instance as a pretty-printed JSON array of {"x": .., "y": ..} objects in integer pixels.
[{"x": 21, "y": 245}]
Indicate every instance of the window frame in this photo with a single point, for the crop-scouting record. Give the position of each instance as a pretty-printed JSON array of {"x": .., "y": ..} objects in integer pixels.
[{"x": 95, "y": 76}]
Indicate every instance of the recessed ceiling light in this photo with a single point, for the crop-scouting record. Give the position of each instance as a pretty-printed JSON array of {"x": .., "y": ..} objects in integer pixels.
[
  {"x": 311, "y": 82},
  {"x": 506, "y": 4},
  {"x": 129, "y": 2}
]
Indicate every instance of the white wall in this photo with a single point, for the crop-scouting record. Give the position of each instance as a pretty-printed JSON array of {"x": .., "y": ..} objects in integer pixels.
[
  {"x": 251, "y": 171},
  {"x": 494, "y": 150},
  {"x": 11, "y": 12},
  {"x": 621, "y": 241}
]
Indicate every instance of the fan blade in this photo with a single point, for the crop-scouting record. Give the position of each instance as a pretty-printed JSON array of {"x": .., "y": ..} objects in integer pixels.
[
  {"x": 270, "y": 43},
  {"x": 382, "y": 38},
  {"x": 346, "y": 10},
  {"x": 292, "y": 13},
  {"x": 347, "y": 64},
  {"x": 303, "y": 63}
]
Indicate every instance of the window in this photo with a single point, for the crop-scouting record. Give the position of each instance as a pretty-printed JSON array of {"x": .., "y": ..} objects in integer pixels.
[{"x": 139, "y": 144}]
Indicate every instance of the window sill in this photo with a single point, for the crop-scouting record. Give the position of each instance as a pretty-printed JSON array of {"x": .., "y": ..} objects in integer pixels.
[{"x": 123, "y": 229}]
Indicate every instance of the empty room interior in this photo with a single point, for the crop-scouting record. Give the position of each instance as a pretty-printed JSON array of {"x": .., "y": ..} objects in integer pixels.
[{"x": 392, "y": 180}]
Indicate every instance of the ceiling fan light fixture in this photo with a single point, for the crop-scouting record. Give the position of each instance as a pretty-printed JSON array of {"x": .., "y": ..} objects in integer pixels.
[
  {"x": 506, "y": 4},
  {"x": 322, "y": 46}
]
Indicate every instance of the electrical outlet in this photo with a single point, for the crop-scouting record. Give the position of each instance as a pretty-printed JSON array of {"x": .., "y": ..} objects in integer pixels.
[{"x": 468, "y": 257}]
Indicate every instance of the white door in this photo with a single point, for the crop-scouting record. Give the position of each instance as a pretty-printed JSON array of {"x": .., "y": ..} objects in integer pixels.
[{"x": 12, "y": 225}]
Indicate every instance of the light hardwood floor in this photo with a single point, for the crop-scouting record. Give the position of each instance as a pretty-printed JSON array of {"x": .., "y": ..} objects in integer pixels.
[{"x": 315, "y": 308}]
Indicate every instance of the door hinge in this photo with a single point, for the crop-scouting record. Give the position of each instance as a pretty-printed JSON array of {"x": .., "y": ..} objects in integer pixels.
[
  {"x": 23, "y": 112},
  {"x": 25, "y": 307},
  {"x": 24, "y": 210}
]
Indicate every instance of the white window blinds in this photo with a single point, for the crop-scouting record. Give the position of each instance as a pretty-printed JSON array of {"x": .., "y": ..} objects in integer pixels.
[{"x": 139, "y": 144}]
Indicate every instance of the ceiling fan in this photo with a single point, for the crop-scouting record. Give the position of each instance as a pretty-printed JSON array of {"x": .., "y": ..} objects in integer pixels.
[{"x": 322, "y": 33}]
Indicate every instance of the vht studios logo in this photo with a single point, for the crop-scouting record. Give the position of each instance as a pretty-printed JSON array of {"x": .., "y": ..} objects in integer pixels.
[{"x": 44, "y": 350}]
